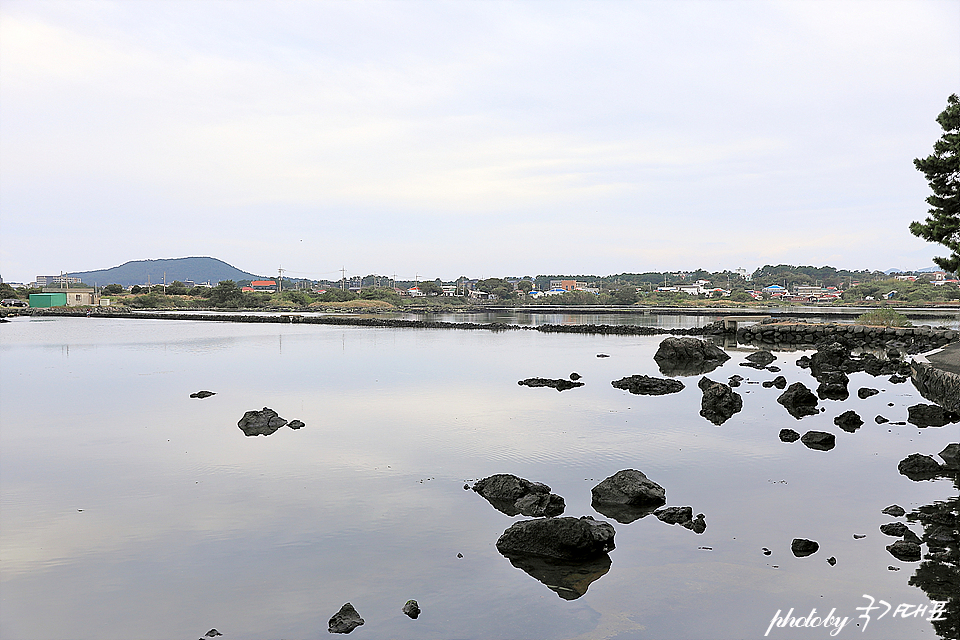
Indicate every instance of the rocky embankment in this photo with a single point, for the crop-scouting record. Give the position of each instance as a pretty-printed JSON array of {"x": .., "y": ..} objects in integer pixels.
[{"x": 778, "y": 335}]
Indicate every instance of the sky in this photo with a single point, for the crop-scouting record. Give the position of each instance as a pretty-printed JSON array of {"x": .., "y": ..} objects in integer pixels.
[{"x": 488, "y": 139}]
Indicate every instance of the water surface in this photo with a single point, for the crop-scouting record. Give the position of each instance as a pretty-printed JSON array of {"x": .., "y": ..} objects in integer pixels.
[{"x": 132, "y": 510}]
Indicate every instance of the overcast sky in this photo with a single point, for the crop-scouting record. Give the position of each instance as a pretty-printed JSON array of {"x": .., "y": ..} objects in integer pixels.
[{"x": 439, "y": 139}]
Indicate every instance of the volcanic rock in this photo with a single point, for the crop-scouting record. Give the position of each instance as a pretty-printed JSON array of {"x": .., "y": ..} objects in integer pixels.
[
  {"x": 802, "y": 547},
  {"x": 560, "y": 384},
  {"x": 905, "y": 551},
  {"x": 202, "y": 394},
  {"x": 411, "y": 609},
  {"x": 688, "y": 357},
  {"x": 789, "y": 435},
  {"x": 719, "y": 401},
  {"x": 930, "y": 415},
  {"x": 513, "y": 495},
  {"x": 261, "y": 423},
  {"x": 799, "y": 401},
  {"x": 865, "y": 392},
  {"x": 951, "y": 456},
  {"x": 647, "y": 385},
  {"x": 563, "y": 538},
  {"x": 849, "y": 421},
  {"x": 919, "y": 467},
  {"x": 762, "y": 358},
  {"x": 629, "y": 487},
  {"x": 894, "y": 510},
  {"x": 819, "y": 440},
  {"x": 345, "y": 620}
]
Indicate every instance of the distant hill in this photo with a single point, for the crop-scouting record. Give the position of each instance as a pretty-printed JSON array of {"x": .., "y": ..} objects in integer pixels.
[
  {"x": 138, "y": 271},
  {"x": 890, "y": 272}
]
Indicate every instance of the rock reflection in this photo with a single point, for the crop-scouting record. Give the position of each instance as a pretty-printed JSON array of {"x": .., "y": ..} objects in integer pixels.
[
  {"x": 623, "y": 513},
  {"x": 567, "y": 579},
  {"x": 938, "y": 574}
]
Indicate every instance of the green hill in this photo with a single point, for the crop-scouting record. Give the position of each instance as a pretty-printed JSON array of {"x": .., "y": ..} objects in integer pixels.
[{"x": 139, "y": 271}]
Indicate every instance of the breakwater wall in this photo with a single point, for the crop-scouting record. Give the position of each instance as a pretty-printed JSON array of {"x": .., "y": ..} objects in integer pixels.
[
  {"x": 937, "y": 385},
  {"x": 356, "y": 321},
  {"x": 912, "y": 339}
]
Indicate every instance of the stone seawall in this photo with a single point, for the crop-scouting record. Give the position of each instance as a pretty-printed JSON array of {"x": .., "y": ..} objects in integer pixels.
[
  {"x": 911, "y": 339},
  {"x": 936, "y": 385}
]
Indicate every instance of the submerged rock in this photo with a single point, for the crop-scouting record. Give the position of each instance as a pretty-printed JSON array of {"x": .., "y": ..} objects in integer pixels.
[
  {"x": 801, "y": 547},
  {"x": 513, "y": 495},
  {"x": 295, "y": 424},
  {"x": 203, "y": 394},
  {"x": 647, "y": 385},
  {"x": 688, "y": 357},
  {"x": 564, "y": 538},
  {"x": 261, "y": 423},
  {"x": 799, "y": 401},
  {"x": 849, "y": 421},
  {"x": 894, "y": 510},
  {"x": 411, "y": 609},
  {"x": 719, "y": 401},
  {"x": 345, "y": 620},
  {"x": 560, "y": 384},
  {"x": 930, "y": 415},
  {"x": 919, "y": 467},
  {"x": 819, "y": 440},
  {"x": 865, "y": 392}
]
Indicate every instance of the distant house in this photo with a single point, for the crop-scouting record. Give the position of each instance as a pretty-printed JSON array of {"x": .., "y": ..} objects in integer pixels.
[
  {"x": 247, "y": 289},
  {"x": 774, "y": 291},
  {"x": 567, "y": 285},
  {"x": 415, "y": 292},
  {"x": 78, "y": 297},
  {"x": 267, "y": 286}
]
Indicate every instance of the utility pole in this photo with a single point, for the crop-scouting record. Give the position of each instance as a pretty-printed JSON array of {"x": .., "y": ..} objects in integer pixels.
[
  {"x": 343, "y": 278},
  {"x": 280, "y": 280}
]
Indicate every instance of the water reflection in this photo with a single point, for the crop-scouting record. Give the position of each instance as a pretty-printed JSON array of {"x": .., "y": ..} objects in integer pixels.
[{"x": 569, "y": 580}]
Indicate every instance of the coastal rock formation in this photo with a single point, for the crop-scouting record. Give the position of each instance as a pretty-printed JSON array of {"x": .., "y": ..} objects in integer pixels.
[
  {"x": 930, "y": 415},
  {"x": 513, "y": 495},
  {"x": 261, "y": 423},
  {"x": 919, "y": 467},
  {"x": 819, "y": 440},
  {"x": 647, "y": 385},
  {"x": 894, "y": 510},
  {"x": 559, "y": 384},
  {"x": 789, "y": 435},
  {"x": 779, "y": 382},
  {"x": 345, "y": 620},
  {"x": 801, "y": 547},
  {"x": 905, "y": 551},
  {"x": 833, "y": 385},
  {"x": 629, "y": 487},
  {"x": 411, "y": 609},
  {"x": 799, "y": 401},
  {"x": 761, "y": 358},
  {"x": 688, "y": 357},
  {"x": 865, "y": 392},
  {"x": 719, "y": 401},
  {"x": 565, "y": 538},
  {"x": 849, "y": 421},
  {"x": 202, "y": 394},
  {"x": 682, "y": 516},
  {"x": 951, "y": 456}
]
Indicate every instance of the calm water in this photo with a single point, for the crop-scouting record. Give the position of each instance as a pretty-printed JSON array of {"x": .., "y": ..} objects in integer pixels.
[{"x": 131, "y": 510}]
